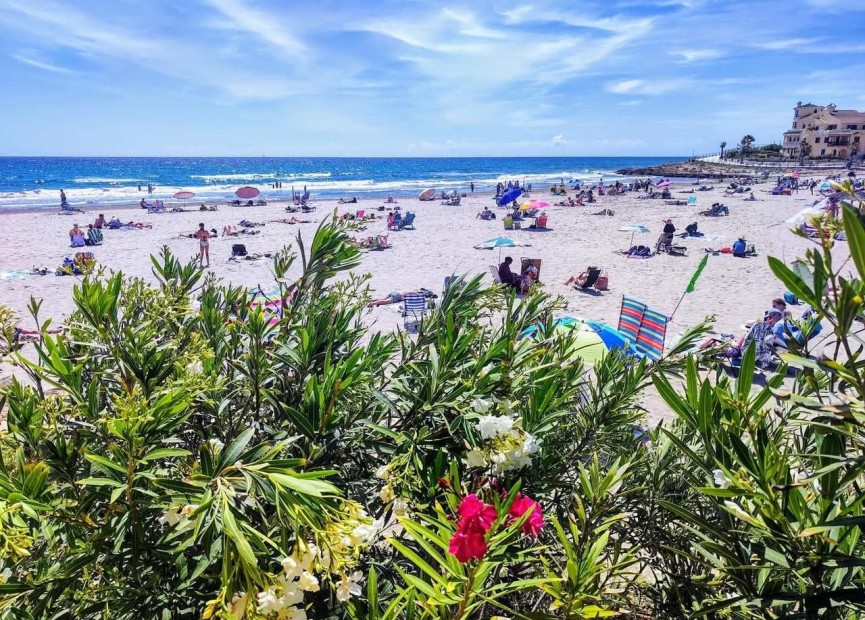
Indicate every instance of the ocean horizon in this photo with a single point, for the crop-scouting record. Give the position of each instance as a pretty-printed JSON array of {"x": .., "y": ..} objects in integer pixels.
[{"x": 35, "y": 182}]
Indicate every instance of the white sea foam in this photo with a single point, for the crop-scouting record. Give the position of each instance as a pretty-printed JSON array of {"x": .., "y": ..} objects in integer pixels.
[
  {"x": 220, "y": 188},
  {"x": 258, "y": 176},
  {"x": 104, "y": 180}
]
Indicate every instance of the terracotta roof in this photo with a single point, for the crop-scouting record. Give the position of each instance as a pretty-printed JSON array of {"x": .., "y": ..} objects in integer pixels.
[{"x": 849, "y": 115}]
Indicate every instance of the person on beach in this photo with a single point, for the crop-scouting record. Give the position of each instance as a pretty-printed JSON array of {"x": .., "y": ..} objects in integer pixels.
[
  {"x": 100, "y": 221},
  {"x": 76, "y": 237},
  {"x": 740, "y": 248},
  {"x": 62, "y": 197},
  {"x": 395, "y": 297},
  {"x": 473, "y": 187},
  {"x": 203, "y": 244}
]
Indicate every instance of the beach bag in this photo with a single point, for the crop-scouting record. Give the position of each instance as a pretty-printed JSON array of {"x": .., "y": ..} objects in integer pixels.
[
  {"x": 238, "y": 249},
  {"x": 790, "y": 299},
  {"x": 603, "y": 282}
]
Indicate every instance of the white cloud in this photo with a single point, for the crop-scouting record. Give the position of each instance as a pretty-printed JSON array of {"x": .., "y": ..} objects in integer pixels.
[
  {"x": 648, "y": 87},
  {"x": 45, "y": 66},
  {"x": 248, "y": 19},
  {"x": 785, "y": 44},
  {"x": 559, "y": 140},
  {"x": 699, "y": 54}
]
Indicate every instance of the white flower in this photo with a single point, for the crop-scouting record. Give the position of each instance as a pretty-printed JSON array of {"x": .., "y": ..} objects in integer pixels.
[
  {"x": 171, "y": 516},
  {"x": 268, "y": 602},
  {"x": 386, "y": 494},
  {"x": 309, "y": 556},
  {"x": 481, "y": 406},
  {"x": 382, "y": 473},
  {"x": 187, "y": 510},
  {"x": 238, "y": 605},
  {"x": 216, "y": 444},
  {"x": 292, "y": 594},
  {"x": 292, "y": 568},
  {"x": 491, "y": 426},
  {"x": 294, "y": 613},
  {"x": 530, "y": 445},
  {"x": 5, "y": 574},
  {"x": 349, "y": 586},
  {"x": 365, "y": 533},
  {"x": 308, "y": 582},
  {"x": 720, "y": 478},
  {"x": 400, "y": 507},
  {"x": 476, "y": 458},
  {"x": 195, "y": 368}
]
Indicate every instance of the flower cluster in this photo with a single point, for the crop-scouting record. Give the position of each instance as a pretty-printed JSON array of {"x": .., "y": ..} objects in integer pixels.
[
  {"x": 333, "y": 562},
  {"x": 506, "y": 446},
  {"x": 476, "y": 518}
]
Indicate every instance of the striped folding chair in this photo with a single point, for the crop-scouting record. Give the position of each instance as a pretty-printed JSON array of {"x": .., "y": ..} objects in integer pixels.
[
  {"x": 653, "y": 331},
  {"x": 630, "y": 317},
  {"x": 413, "y": 310}
]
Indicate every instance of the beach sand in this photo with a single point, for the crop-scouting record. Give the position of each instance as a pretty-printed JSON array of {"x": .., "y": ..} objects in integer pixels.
[{"x": 735, "y": 290}]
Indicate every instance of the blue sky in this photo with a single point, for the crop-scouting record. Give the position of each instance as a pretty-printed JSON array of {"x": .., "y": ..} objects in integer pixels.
[{"x": 417, "y": 77}]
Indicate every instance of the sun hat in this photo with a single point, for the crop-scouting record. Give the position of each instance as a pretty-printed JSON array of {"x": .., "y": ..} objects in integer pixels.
[{"x": 773, "y": 311}]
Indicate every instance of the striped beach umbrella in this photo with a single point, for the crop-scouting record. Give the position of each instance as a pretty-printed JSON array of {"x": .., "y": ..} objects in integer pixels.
[{"x": 593, "y": 340}]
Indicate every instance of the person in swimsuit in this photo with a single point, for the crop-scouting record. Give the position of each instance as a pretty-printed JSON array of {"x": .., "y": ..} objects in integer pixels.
[{"x": 203, "y": 245}]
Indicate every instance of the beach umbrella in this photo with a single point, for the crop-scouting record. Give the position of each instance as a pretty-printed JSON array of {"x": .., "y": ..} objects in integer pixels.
[
  {"x": 246, "y": 192},
  {"x": 593, "y": 340},
  {"x": 497, "y": 242},
  {"x": 633, "y": 229},
  {"x": 534, "y": 204},
  {"x": 183, "y": 195},
  {"x": 825, "y": 185},
  {"x": 509, "y": 196},
  {"x": 664, "y": 184}
]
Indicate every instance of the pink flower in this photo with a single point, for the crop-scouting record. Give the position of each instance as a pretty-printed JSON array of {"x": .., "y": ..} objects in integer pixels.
[
  {"x": 476, "y": 518},
  {"x": 467, "y": 545},
  {"x": 473, "y": 510},
  {"x": 535, "y": 521}
]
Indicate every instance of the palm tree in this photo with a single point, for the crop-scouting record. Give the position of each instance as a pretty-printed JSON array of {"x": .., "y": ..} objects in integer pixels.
[
  {"x": 745, "y": 144},
  {"x": 723, "y": 146},
  {"x": 804, "y": 151}
]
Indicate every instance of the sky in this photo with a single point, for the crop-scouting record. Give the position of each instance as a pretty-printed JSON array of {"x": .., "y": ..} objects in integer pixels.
[{"x": 417, "y": 77}]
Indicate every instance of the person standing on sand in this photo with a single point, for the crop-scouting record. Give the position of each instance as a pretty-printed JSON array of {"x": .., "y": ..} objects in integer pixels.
[
  {"x": 62, "y": 197},
  {"x": 473, "y": 187},
  {"x": 203, "y": 245}
]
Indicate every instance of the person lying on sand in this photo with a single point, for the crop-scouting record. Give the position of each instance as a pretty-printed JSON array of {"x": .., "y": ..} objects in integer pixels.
[
  {"x": 204, "y": 207},
  {"x": 344, "y": 201},
  {"x": 250, "y": 224},
  {"x": 230, "y": 231},
  {"x": 395, "y": 298},
  {"x": 292, "y": 220}
]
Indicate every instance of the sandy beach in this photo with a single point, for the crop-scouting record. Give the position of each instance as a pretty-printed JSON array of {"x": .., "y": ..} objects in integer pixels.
[{"x": 735, "y": 290}]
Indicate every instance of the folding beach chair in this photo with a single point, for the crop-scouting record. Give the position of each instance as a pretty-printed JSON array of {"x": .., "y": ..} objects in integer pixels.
[
  {"x": 590, "y": 277},
  {"x": 653, "y": 331},
  {"x": 630, "y": 318},
  {"x": 692, "y": 201},
  {"x": 414, "y": 310},
  {"x": 495, "y": 273},
  {"x": 407, "y": 221}
]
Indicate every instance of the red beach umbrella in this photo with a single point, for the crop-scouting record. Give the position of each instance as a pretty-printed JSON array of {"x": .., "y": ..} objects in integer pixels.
[
  {"x": 183, "y": 195},
  {"x": 246, "y": 192}
]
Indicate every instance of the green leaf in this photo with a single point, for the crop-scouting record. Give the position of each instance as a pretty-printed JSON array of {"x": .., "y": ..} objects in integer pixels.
[
  {"x": 164, "y": 453},
  {"x": 855, "y": 238},
  {"x": 101, "y": 460},
  {"x": 104, "y": 482}
]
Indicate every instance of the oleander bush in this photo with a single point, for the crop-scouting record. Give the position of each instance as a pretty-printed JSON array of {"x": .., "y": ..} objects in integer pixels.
[{"x": 192, "y": 450}]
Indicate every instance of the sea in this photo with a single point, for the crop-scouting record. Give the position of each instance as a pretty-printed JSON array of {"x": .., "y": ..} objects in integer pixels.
[{"x": 35, "y": 182}]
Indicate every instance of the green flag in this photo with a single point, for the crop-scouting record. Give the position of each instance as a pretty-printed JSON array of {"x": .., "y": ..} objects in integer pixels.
[{"x": 693, "y": 283}]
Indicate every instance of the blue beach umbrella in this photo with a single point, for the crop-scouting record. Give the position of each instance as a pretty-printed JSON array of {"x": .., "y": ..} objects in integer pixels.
[
  {"x": 593, "y": 340},
  {"x": 633, "y": 229},
  {"x": 497, "y": 242},
  {"x": 509, "y": 196}
]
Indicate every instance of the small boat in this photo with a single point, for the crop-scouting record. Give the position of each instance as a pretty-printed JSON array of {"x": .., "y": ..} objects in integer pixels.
[{"x": 427, "y": 194}]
